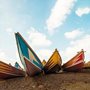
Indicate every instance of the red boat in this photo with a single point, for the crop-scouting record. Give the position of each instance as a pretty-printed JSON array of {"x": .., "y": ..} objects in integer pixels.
[
  {"x": 7, "y": 71},
  {"x": 76, "y": 63}
]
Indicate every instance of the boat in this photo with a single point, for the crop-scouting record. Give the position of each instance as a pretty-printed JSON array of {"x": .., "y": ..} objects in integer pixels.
[
  {"x": 76, "y": 63},
  {"x": 87, "y": 65},
  {"x": 8, "y": 71},
  {"x": 44, "y": 62},
  {"x": 17, "y": 66},
  {"x": 53, "y": 65},
  {"x": 28, "y": 57}
]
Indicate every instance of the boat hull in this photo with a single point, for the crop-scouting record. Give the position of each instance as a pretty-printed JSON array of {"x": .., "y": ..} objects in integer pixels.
[
  {"x": 75, "y": 68},
  {"x": 55, "y": 69},
  {"x": 76, "y": 63},
  {"x": 8, "y": 71},
  {"x": 4, "y": 75},
  {"x": 54, "y": 63},
  {"x": 31, "y": 69},
  {"x": 87, "y": 65}
]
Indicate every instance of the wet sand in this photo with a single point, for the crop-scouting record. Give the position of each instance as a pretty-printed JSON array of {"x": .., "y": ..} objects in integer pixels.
[{"x": 61, "y": 81}]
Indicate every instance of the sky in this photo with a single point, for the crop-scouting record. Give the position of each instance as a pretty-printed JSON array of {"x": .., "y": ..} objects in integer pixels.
[{"x": 45, "y": 25}]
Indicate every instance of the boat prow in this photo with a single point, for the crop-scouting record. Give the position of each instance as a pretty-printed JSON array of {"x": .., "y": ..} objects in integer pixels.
[
  {"x": 28, "y": 57},
  {"x": 76, "y": 63},
  {"x": 31, "y": 69},
  {"x": 44, "y": 63},
  {"x": 54, "y": 63}
]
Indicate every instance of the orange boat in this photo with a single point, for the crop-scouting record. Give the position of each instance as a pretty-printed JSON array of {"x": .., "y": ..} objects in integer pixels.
[
  {"x": 7, "y": 71},
  {"x": 54, "y": 63},
  {"x": 76, "y": 63},
  {"x": 87, "y": 65}
]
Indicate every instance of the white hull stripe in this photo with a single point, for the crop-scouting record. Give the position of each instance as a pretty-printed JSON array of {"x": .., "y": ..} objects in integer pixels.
[{"x": 76, "y": 63}]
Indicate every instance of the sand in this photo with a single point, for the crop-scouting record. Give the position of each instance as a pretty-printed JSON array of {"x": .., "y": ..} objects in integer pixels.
[{"x": 61, "y": 81}]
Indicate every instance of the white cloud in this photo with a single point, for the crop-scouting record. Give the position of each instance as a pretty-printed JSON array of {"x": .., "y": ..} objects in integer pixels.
[
  {"x": 5, "y": 58},
  {"x": 73, "y": 34},
  {"x": 9, "y": 30},
  {"x": 44, "y": 54},
  {"x": 77, "y": 45},
  {"x": 59, "y": 13},
  {"x": 81, "y": 11},
  {"x": 38, "y": 39},
  {"x": 2, "y": 55}
]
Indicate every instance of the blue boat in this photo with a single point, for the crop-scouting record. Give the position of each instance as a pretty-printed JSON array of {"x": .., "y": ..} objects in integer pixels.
[
  {"x": 17, "y": 66},
  {"x": 29, "y": 59}
]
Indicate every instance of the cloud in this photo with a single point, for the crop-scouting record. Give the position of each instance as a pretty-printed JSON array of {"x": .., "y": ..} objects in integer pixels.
[
  {"x": 59, "y": 13},
  {"x": 77, "y": 45},
  {"x": 38, "y": 39},
  {"x": 2, "y": 55},
  {"x": 82, "y": 11},
  {"x": 73, "y": 34},
  {"x": 44, "y": 54},
  {"x": 9, "y": 31},
  {"x": 12, "y": 15}
]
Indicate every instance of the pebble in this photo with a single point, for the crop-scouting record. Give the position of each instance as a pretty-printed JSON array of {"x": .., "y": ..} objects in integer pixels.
[
  {"x": 40, "y": 86},
  {"x": 33, "y": 86}
]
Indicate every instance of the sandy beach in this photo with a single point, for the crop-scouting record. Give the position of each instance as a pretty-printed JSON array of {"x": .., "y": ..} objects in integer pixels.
[{"x": 61, "y": 81}]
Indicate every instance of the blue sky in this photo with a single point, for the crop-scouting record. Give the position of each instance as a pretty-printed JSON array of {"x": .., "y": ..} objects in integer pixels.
[{"x": 46, "y": 25}]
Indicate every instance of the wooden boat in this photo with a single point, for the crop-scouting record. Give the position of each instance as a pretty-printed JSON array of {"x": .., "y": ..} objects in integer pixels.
[
  {"x": 44, "y": 62},
  {"x": 76, "y": 63},
  {"x": 29, "y": 59},
  {"x": 87, "y": 65},
  {"x": 54, "y": 63},
  {"x": 7, "y": 71},
  {"x": 17, "y": 66}
]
